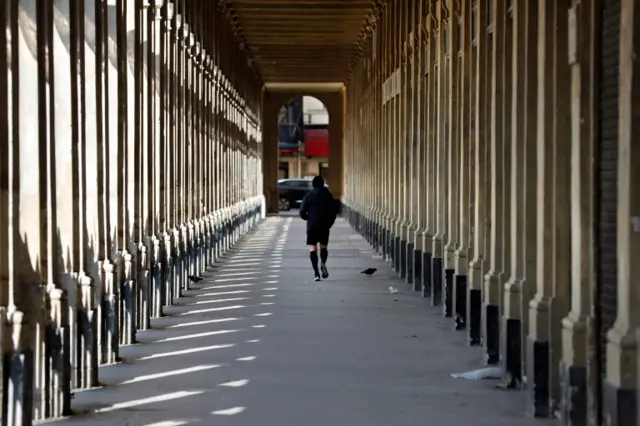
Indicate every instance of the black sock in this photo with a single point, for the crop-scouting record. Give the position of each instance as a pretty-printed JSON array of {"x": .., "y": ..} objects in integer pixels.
[
  {"x": 324, "y": 255},
  {"x": 313, "y": 255}
]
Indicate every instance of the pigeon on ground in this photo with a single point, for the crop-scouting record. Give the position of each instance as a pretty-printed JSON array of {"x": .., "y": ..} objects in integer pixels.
[
  {"x": 194, "y": 279},
  {"x": 369, "y": 271}
]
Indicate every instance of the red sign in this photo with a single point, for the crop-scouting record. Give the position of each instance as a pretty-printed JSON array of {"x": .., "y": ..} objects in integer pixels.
[{"x": 316, "y": 142}]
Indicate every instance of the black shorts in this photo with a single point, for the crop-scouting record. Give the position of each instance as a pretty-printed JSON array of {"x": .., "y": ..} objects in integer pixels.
[{"x": 317, "y": 236}]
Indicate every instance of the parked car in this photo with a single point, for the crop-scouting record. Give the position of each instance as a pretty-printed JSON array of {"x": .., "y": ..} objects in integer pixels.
[{"x": 291, "y": 192}]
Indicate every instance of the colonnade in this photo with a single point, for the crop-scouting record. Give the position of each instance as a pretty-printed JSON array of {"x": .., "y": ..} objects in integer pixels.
[
  {"x": 488, "y": 157},
  {"x": 130, "y": 159}
]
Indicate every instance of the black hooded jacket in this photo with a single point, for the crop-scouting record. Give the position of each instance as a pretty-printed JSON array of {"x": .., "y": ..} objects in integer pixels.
[{"x": 319, "y": 208}]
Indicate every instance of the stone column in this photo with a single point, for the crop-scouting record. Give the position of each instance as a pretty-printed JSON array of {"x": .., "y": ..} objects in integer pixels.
[
  {"x": 574, "y": 334},
  {"x": 386, "y": 132},
  {"x": 391, "y": 131},
  {"x": 493, "y": 279},
  {"x": 396, "y": 142},
  {"x": 429, "y": 136},
  {"x": 108, "y": 110},
  {"x": 21, "y": 146},
  {"x": 181, "y": 206},
  {"x": 404, "y": 162},
  {"x": 539, "y": 321},
  {"x": 465, "y": 109},
  {"x": 62, "y": 149},
  {"x": 621, "y": 382},
  {"x": 362, "y": 109},
  {"x": 512, "y": 308},
  {"x": 93, "y": 204},
  {"x": 270, "y": 154},
  {"x": 529, "y": 219},
  {"x": 481, "y": 189},
  {"x": 561, "y": 302},
  {"x": 155, "y": 118},
  {"x": 378, "y": 138},
  {"x": 439, "y": 163},
  {"x": 551, "y": 301},
  {"x": 189, "y": 150},
  {"x": 411, "y": 141},
  {"x": 171, "y": 171},
  {"x": 417, "y": 129},
  {"x": 6, "y": 124},
  {"x": 8, "y": 94},
  {"x": 143, "y": 165},
  {"x": 453, "y": 52}
]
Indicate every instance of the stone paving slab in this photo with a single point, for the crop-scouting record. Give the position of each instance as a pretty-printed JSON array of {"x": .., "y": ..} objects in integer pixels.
[{"x": 258, "y": 343}]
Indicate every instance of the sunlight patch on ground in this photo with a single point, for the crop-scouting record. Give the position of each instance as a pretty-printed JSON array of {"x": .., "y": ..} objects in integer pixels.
[
  {"x": 186, "y": 351},
  {"x": 149, "y": 400},
  {"x": 170, "y": 373},
  {"x": 229, "y": 411}
]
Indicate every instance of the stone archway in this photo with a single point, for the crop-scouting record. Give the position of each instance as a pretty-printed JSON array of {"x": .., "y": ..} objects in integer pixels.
[{"x": 272, "y": 100}]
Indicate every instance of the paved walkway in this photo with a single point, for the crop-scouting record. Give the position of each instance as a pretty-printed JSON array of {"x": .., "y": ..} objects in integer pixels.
[{"x": 260, "y": 344}]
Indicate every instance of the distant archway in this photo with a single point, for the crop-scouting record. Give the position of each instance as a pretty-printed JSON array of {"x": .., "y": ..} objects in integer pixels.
[
  {"x": 304, "y": 140},
  {"x": 303, "y": 148}
]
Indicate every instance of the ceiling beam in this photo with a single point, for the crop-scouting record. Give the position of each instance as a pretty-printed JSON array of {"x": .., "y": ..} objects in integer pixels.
[{"x": 311, "y": 87}]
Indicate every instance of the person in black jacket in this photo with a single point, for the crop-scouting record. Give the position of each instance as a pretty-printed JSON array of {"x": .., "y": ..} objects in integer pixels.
[{"x": 319, "y": 209}]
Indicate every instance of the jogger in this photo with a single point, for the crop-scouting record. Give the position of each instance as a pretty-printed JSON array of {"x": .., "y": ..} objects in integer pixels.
[{"x": 319, "y": 209}]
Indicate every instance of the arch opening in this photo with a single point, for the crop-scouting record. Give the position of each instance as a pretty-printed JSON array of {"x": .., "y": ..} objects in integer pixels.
[{"x": 303, "y": 148}]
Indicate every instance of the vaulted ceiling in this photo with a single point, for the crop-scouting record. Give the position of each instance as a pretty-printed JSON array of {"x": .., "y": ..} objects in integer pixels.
[{"x": 302, "y": 40}]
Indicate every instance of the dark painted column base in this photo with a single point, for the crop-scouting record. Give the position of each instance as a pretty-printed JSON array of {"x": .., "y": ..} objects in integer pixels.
[
  {"x": 417, "y": 270},
  {"x": 402, "y": 268},
  {"x": 573, "y": 380},
  {"x": 447, "y": 291},
  {"x": 408, "y": 255},
  {"x": 620, "y": 405},
  {"x": 436, "y": 281},
  {"x": 460, "y": 301},
  {"x": 396, "y": 254},
  {"x": 388, "y": 244},
  {"x": 376, "y": 236},
  {"x": 492, "y": 334},
  {"x": 474, "y": 316},
  {"x": 513, "y": 352},
  {"x": 538, "y": 378},
  {"x": 426, "y": 274}
]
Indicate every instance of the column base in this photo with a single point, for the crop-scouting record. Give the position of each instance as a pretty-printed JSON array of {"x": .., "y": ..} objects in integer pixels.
[
  {"x": 460, "y": 301},
  {"x": 474, "y": 316},
  {"x": 388, "y": 246},
  {"x": 620, "y": 405},
  {"x": 538, "y": 378},
  {"x": 492, "y": 334},
  {"x": 426, "y": 274},
  {"x": 396, "y": 254},
  {"x": 376, "y": 237},
  {"x": 366, "y": 229},
  {"x": 409, "y": 261},
  {"x": 447, "y": 291},
  {"x": 574, "y": 395},
  {"x": 402, "y": 267},
  {"x": 436, "y": 281},
  {"x": 19, "y": 397},
  {"x": 417, "y": 270},
  {"x": 512, "y": 336}
]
